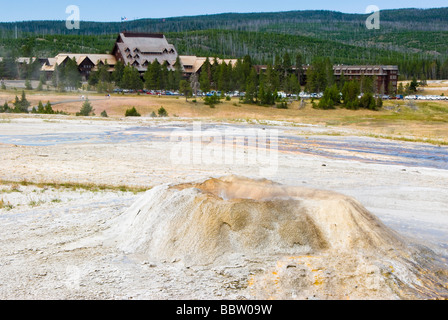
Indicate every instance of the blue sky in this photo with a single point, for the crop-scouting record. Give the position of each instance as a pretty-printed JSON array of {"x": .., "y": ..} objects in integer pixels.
[{"x": 111, "y": 10}]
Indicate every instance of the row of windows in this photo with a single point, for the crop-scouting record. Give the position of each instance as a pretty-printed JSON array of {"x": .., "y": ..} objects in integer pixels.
[{"x": 150, "y": 52}]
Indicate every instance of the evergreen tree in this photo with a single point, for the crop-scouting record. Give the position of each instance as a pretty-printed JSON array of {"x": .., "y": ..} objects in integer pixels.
[
  {"x": 285, "y": 71},
  {"x": 271, "y": 79},
  {"x": 86, "y": 109},
  {"x": 401, "y": 89},
  {"x": 171, "y": 80},
  {"x": 251, "y": 88},
  {"x": 131, "y": 79},
  {"x": 299, "y": 69},
  {"x": 42, "y": 81},
  {"x": 341, "y": 82},
  {"x": 48, "y": 108},
  {"x": 178, "y": 74},
  {"x": 215, "y": 73},
  {"x": 71, "y": 75},
  {"x": 185, "y": 89},
  {"x": 292, "y": 84},
  {"x": 206, "y": 76},
  {"x": 367, "y": 101},
  {"x": 413, "y": 85},
  {"x": 40, "y": 108},
  {"x": 265, "y": 96},
  {"x": 9, "y": 67},
  {"x": 224, "y": 77},
  {"x": 21, "y": 105},
  {"x": 162, "y": 112},
  {"x": 163, "y": 78},
  {"x": 117, "y": 74},
  {"x": 350, "y": 93},
  {"x": 152, "y": 76},
  {"x": 100, "y": 75},
  {"x": 204, "y": 80},
  {"x": 28, "y": 85},
  {"x": 330, "y": 98},
  {"x": 238, "y": 76},
  {"x": 320, "y": 75},
  {"x": 247, "y": 67}
]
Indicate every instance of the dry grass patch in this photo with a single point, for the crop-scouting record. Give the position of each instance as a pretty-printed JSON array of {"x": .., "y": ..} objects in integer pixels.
[{"x": 76, "y": 186}]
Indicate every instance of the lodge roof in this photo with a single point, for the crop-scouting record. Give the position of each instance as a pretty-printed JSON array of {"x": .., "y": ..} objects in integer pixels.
[
  {"x": 138, "y": 48},
  {"x": 192, "y": 64},
  {"x": 80, "y": 58}
]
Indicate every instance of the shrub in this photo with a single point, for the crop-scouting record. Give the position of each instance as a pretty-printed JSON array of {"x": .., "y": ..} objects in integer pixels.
[
  {"x": 104, "y": 114},
  {"x": 282, "y": 105},
  {"x": 132, "y": 113},
  {"x": 162, "y": 112},
  {"x": 379, "y": 103},
  {"x": 5, "y": 108},
  {"x": 47, "y": 109},
  {"x": 212, "y": 100},
  {"x": 326, "y": 103},
  {"x": 367, "y": 101}
]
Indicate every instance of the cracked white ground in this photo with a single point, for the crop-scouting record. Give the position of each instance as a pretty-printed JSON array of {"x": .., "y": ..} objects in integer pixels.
[{"x": 42, "y": 255}]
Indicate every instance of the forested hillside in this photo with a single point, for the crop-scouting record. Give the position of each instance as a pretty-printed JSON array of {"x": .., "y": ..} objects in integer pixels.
[{"x": 414, "y": 39}]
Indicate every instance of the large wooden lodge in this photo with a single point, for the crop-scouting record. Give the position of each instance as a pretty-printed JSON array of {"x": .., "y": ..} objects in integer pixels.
[
  {"x": 385, "y": 76},
  {"x": 141, "y": 49}
]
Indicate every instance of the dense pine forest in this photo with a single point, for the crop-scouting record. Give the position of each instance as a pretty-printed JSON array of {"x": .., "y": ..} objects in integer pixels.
[{"x": 414, "y": 39}]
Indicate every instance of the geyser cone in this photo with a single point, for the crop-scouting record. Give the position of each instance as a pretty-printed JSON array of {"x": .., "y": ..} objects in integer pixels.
[{"x": 219, "y": 220}]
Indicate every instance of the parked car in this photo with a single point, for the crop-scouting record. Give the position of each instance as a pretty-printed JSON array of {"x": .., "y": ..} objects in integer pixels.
[{"x": 281, "y": 94}]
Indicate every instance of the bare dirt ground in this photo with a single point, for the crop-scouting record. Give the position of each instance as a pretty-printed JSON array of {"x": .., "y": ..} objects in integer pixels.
[{"x": 43, "y": 252}]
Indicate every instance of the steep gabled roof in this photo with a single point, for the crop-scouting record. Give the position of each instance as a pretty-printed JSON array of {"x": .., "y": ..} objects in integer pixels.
[
  {"x": 149, "y": 46},
  {"x": 79, "y": 57},
  {"x": 196, "y": 63}
]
